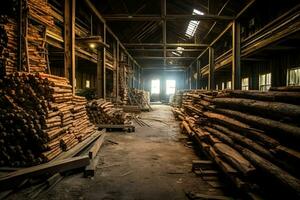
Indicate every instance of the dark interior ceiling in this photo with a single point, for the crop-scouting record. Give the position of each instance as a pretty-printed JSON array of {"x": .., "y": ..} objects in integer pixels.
[{"x": 152, "y": 31}]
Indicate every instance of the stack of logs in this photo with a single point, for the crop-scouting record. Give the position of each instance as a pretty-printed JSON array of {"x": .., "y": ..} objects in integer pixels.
[
  {"x": 39, "y": 118},
  {"x": 104, "y": 112},
  {"x": 141, "y": 97},
  {"x": 9, "y": 45},
  {"x": 40, "y": 18},
  {"x": 123, "y": 82},
  {"x": 41, "y": 11},
  {"x": 253, "y": 136},
  {"x": 37, "y": 53}
]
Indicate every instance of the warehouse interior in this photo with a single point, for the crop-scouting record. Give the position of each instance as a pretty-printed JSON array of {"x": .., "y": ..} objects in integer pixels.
[{"x": 161, "y": 99}]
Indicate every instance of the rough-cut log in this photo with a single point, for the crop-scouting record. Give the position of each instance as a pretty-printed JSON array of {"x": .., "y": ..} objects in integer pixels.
[
  {"x": 286, "y": 89},
  {"x": 235, "y": 158},
  {"x": 286, "y": 130},
  {"x": 286, "y": 97},
  {"x": 261, "y": 107},
  {"x": 282, "y": 176},
  {"x": 243, "y": 141},
  {"x": 243, "y": 128}
]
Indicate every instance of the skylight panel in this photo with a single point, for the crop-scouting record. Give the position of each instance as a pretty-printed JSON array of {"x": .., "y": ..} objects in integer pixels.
[
  {"x": 178, "y": 51},
  {"x": 193, "y": 25}
]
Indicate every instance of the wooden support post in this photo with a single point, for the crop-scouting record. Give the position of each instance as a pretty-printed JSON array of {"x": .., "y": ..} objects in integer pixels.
[
  {"x": 164, "y": 13},
  {"x": 101, "y": 76},
  {"x": 20, "y": 36},
  {"x": 104, "y": 62},
  {"x": 69, "y": 42},
  {"x": 117, "y": 68},
  {"x": 211, "y": 66},
  {"x": 236, "y": 56},
  {"x": 198, "y": 75}
]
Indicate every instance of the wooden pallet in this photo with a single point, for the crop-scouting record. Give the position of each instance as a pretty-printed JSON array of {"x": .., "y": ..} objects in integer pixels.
[{"x": 117, "y": 127}]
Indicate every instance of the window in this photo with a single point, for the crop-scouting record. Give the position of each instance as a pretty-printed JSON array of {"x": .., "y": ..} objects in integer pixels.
[
  {"x": 87, "y": 84},
  {"x": 223, "y": 85},
  {"x": 155, "y": 86},
  {"x": 245, "y": 83},
  {"x": 193, "y": 25},
  {"x": 293, "y": 77},
  {"x": 171, "y": 86},
  {"x": 217, "y": 87},
  {"x": 264, "y": 81},
  {"x": 228, "y": 85}
]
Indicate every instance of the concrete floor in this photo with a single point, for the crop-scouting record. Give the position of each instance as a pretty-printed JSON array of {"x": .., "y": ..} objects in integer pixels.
[{"x": 151, "y": 163}]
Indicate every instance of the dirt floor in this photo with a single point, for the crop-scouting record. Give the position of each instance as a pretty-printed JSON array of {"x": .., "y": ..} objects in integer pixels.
[{"x": 151, "y": 163}]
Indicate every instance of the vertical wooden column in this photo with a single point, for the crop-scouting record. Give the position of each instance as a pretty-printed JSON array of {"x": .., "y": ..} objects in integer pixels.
[
  {"x": 69, "y": 42},
  {"x": 20, "y": 35},
  {"x": 164, "y": 28},
  {"x": 198, "y": 75},
  {"x": 101, "y": 76},
  {"x": 190, "y": 77},
  {"x": 236, "y": 56},
  {"x": 117, "y": 68},
  {"x": 211, "y": 69}
]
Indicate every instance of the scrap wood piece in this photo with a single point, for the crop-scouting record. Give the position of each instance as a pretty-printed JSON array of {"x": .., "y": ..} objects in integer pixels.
[
  {"x": 193, "y": 196},
  {"x": 96, "y": 147},
  {"x": 51, "y": 167},
  {"x": 89, "y": 170}
]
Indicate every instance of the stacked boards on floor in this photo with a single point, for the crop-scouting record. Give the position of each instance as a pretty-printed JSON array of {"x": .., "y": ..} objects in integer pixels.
[{"x": 253, "y": 136}]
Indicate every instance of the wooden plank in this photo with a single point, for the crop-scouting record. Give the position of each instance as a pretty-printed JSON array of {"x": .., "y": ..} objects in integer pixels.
[
  {"x": 80, "y": 147},
  {"x": 11, "y": 179},
  {"x": 95, "y": 149}
]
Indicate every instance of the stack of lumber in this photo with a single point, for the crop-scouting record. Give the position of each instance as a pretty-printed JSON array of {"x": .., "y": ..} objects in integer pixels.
[
  {"x": 123, "y": 83},
  {"x": 37, "y": 120},
  {"x": 140, "y": 97},
  {"x": 104, "y": 112},
  {"x": 35, "y": 39},
  {"x": 36, "y": 48},
  {"x": 9, "y": 45},
  {"x": 40, "y": 11},
  {"x": 253, "y": 136},
  {"x": 177, "y": 100}
]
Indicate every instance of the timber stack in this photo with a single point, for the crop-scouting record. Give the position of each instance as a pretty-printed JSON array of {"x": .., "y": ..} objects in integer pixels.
[
  {"x": 40, "y": 18},
  {"x": 141, "y": 97},
  {"x": 251, "y": 135},
  {"x": 101, "y": 111},
  {"x": 39, "y": 118},
  {"x": 123, "y": 82},
  {"x": 9, "y": 44}
]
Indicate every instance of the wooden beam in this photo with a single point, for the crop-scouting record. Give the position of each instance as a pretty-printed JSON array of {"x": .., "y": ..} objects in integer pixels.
[
  {"x": 67, "y": 35},
  {"x": 168, "y": 44},
  {"x": 236, "y": 56},
  {"x": 69, "y": 42},
  {"x": 117, "y": 69},
  {"x": 170, "y": 17},
  {"x": 161, "y": 58},
  {"x": 11, "y": 179},
  {"x": 211, "y": 74},
  {"x": 96, "y": 147}
]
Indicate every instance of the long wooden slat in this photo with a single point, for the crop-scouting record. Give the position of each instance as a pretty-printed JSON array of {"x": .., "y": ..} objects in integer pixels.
[{"x": 11, "y": 179}]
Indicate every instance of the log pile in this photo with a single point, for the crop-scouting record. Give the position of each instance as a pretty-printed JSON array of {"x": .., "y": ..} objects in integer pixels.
[
  {"x": 9, "y": 45},
  {"x": 253, "y": 136},
  {"x": 37, "y": 51},
  {"x": 104, "y": 112},
  {"x": 140, "y": 97},
  {"x": 123, "y": 84},
  {"x": 40, "y": 11},
  {"x": 35, "y": 35},
  {"x": 39, "y": 118}
]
